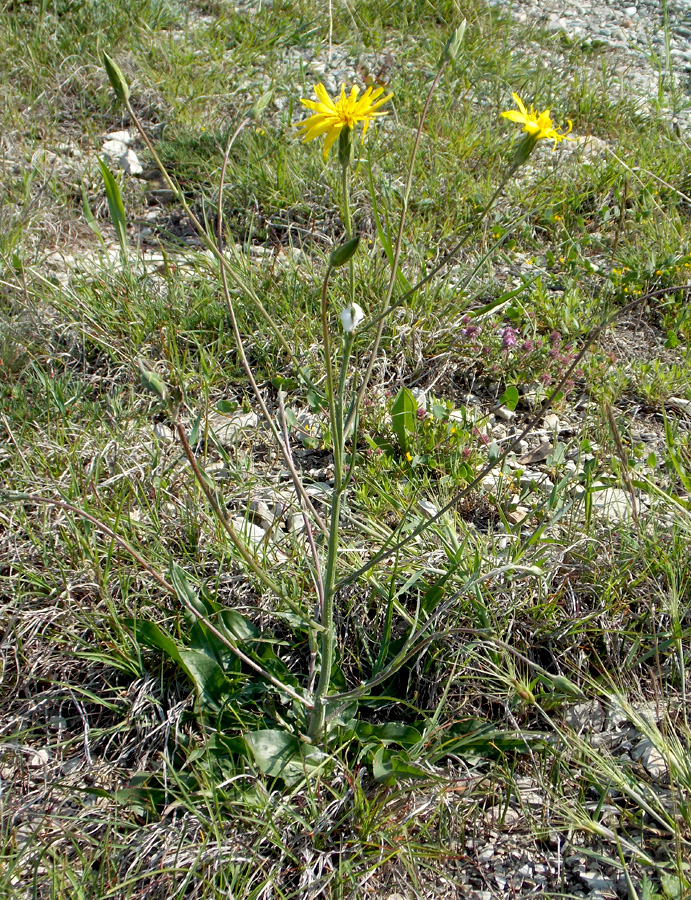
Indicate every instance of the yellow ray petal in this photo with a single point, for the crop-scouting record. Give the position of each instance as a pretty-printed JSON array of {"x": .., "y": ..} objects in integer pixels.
[
  {"x": 520, "y": 104},
  {"x": 514, "y": 116},
  {"x": 317, "y": 129},
  {"x": 323, "y": 95},
  {"x": 381, "y": 102}
]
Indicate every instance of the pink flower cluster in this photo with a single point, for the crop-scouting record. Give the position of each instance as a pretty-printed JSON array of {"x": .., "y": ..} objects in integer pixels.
[{"x": 502, "y": 352}]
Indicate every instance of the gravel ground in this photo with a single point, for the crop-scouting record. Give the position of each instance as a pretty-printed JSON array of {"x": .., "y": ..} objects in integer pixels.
[{"x": 647, "y": 34}]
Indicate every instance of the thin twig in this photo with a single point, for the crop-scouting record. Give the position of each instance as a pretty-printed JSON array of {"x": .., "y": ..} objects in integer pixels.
[
  {"x": 211, "y": 244},
  {"x": 318, "y": 578},
  {"x": 305, "y": 518},
  {"x": 235, "y": 538},
  {"x": 283, "y": 447},
  {"x": 139, "y": 559}
]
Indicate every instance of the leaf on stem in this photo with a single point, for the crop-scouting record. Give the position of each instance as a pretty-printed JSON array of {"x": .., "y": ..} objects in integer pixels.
[
  {"x": 403, "y": 417},
  {"x": 116, "y": 207},
  {"x": 152, "y": 381}
]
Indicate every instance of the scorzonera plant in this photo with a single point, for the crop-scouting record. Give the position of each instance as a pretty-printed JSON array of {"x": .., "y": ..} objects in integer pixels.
[{"x": 317, "y": 709}]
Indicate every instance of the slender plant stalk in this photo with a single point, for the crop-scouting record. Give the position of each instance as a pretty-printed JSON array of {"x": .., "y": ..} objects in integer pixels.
[
  {"x": 450, "y": 256},
  {"x": 317, "y": 719},
  {"x": 385, "y": 552},
  {"x": 283, "y": 445},
  {"x": 348, "y": 223},
  {"x": 328, "y": 363},
  {"x": 305, "y": 518},
  {"x": 336, "y": 408},
  {"x": 235, "y": 538},
  {"x": 211, "y": 245},
  {"x": 318, "y": 578}
]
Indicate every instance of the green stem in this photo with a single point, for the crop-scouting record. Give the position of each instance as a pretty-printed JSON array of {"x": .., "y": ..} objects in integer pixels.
[
  {"x": 348, "y": 222},
  {"x": 318, "y": 716},
  {"x": 497, "y": 461},
  {"x": 116, "y": 538},
  {"x": 345, "y": 189},
  {"x": 211, "y": 245},
  {"x": 329, "y": 374},
  {"x": 336, "y": 398}
]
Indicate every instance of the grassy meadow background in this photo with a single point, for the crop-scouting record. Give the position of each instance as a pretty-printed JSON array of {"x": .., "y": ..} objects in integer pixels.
[{"x": 111, "y": 785}]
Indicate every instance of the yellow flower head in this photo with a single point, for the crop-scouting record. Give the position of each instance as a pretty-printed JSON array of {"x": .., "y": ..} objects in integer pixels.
[
  {"x": 538, "y": 125},
  {"x": 331, "y": 117}
]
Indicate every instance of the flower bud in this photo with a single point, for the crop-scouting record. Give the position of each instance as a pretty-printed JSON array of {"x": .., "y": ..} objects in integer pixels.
[
  {"x": 341, "y": 255},
  {"x": 351, "y": 317},
  {"x": 257, "y": 109},
  {"x": 116, "y": 78},
  {"x": 453, "y": 45}
]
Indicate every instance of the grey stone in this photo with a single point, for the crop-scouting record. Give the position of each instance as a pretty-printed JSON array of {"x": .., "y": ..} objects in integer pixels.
[
  {"x": 533, "y": 479},
  {"x": 252, "y": 533},
  {"x": 486, "y": 854},
  {"x": 613, "y": 503},
  {"x": 259, "y": 513},
  {"x": 586, "y": 717},
  {"x": 616, "y": 714},
  {"x": 505, "y": 414},
  {"x": 129, "y": 161},
  {"x": 39, "y": 758},
  {"x": 596, "y": 881},
  {"x": 226, "y": 428},
  {"x": 163, "y": 433},
  {"x": 651, "y": 759}
]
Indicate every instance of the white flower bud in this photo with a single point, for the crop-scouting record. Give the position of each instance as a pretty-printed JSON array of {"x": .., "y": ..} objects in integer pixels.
[{"x": 351, "y": 317}]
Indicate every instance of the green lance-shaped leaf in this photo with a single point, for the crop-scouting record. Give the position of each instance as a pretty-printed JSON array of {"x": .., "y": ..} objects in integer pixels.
[
  {"x": 403, "y": 413},
  {"x": 343, "y": 254},
  {"x": 115, "y": 206},
  {"x": 116, "y": 78},
  {"x": 89, "y": 216},
  {"x": 152, "y": 381},
  {"x": 278, "y": 753}
]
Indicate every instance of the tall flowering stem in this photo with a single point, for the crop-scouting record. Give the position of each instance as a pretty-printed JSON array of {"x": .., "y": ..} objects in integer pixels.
[
  {"x": 336, "y": 398},
  {"x": 337, "y": 121},
  {"x": 318, "y": 716}
]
